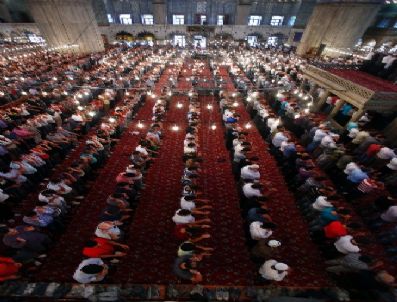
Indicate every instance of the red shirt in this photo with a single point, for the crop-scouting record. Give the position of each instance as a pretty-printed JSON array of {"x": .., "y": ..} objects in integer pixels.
[
  {"x": 180, "y": 232},
  {"x": 8, "y": 268},
  {"x": 103, "y": 248},
  {"x": 335, "y": 229},
  {"x": 373, "y": 149}
]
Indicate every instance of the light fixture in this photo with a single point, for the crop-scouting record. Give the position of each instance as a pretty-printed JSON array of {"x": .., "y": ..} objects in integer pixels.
[
  {"x": 235, "y": 104},
  {"x": 24, "y": 93},
  {"x": 179, "y": 105},
  {"x": 249, "y": 99},
  {"x": 175, "y": 128},
  {"x": 248, "y": 126},
  {"x": 55, "y": 78},
  {"x": 306, "y": 110},
  {"x": 306, "y": 97},
  {"x": 234, "y": 94},
  {"x": 127, "y": 93},
  {"x": 213, "y": 126},
  {"x": 44, "y": 93},
  {"x": 209, "y": 106},
  {"x": 310, "y": 104},
  {"x": 300, "y": 94},
  {"x": 190, "y": 94}
]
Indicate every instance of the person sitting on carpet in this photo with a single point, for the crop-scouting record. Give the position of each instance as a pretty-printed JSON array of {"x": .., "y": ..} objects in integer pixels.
[
  {"x": 190, "y": 248},
  {"x": 103, "y": 248},
  {"x": 185, "y": 268},
  {"x": 273, "y": 270},
  {"x": 186, "y": 217},
  {"x": 91, "y": 270}
]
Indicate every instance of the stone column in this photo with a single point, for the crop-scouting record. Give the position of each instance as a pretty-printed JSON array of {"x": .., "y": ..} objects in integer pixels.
[
  {"x": 321, "y": 101},
  {"x": 67, "y": 22},
  {"x": 337, "y": 25},
  {"x": 243, "y": 11},
  {"x": 159, "y": 12},
  {"x": 4, "y": 12},
  {"x": 336, "y": 109}
]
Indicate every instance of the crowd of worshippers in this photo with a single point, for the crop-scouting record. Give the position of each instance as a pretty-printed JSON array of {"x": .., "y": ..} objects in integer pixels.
[
  {"x": 361, "y": 165},
  {"x": 191, "y": 219},
  {"x": 37, "y": 136},
  {"x": 104, "y": 249},
  {"x": 381, "y": 64}
]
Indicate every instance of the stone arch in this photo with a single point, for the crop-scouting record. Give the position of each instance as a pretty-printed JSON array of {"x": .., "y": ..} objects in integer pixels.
[
  {"x": 146, "y": 35},
  {"x": 124, "y": 36}
]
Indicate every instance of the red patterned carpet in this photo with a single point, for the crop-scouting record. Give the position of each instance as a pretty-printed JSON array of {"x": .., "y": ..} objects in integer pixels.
[
  {"x": 365, "y": 79},
  {"x": 230, "y": 263}
]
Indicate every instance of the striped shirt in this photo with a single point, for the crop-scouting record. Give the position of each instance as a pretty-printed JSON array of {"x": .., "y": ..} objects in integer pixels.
[{"x": 367, "y": 185}]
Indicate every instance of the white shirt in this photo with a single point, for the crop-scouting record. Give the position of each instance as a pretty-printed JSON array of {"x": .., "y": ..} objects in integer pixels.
[
  {"x": 57, "y": 187},
  {"x": 187, "y": 205},
  {"x": 84, "y": 278},
  {"x": 178, "y": 219},
  {"x": 269, "y": 273},
  {"x": 390, "y": 215},
  {"x": 278, "y": 139},
  {"x": 272, "y": 123},
  {"x": 385, "y": 153},
  {"x": 247, "y": 173},
  {"x": 321, "y": 203},
  {"x": 142, "y": 150},
  {"x": 188, "y": 150},
  {"x": 111, "y": 233},
  {"x": 318, "y": 135},
  {"x": 249, "y": 192},
  {"x": 328, "y": 142},
  {"x": 345, "y": 246},
  {"x": 257, "y": 232}
]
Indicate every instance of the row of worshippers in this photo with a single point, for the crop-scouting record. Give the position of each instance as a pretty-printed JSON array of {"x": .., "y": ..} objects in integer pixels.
[
  {"x": 191, "y": 219},
  {"x": 105, "y": 248},
  {"x": 268, "y": 122},
  {"x": 258, "y": 220},
  {"x": 42, "y": 225},
  {"x": 329, "y": 217}
]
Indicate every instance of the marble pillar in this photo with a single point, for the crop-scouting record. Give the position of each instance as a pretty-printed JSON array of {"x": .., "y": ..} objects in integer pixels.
[
  {"x": 159, "y": 11},
  {"x": 67, "y": 22},
  {"x": 337, "y": 25},
  {"x": 4, "y": 12},
  {"x": 243, "y": 12}
]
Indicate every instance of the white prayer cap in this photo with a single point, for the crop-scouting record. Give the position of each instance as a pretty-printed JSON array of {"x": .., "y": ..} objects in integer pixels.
[
  {"x": 254, "y": 166},
  {"x": 274, "y": 243},
  {"x": 281, "y": 266},
  {"x": 322, "y": 200}
]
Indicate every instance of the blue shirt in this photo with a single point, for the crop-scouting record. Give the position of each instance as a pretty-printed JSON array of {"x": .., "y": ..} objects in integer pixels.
[
  {"x": 327, "y": 216},
  {"x": 351, "y": 125},
  {"x": 289, "y": 150},
  {"x": 357, "y": 176}
]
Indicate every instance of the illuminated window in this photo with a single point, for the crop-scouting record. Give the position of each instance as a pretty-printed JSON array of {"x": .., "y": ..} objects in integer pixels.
[
  {"x": 291, "y": 21},
  {"x": 220, "y": 20},
  {"x": 125, "y": 19},
  {"x": 178, "y": 19},
  {"x": 147, "y": 19},
  {"x": 110, "y": 18},
  {"x": 254, "y": 20},
  {"x": 276, "y": 21},
  {"x": 203, "y": 19}
]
